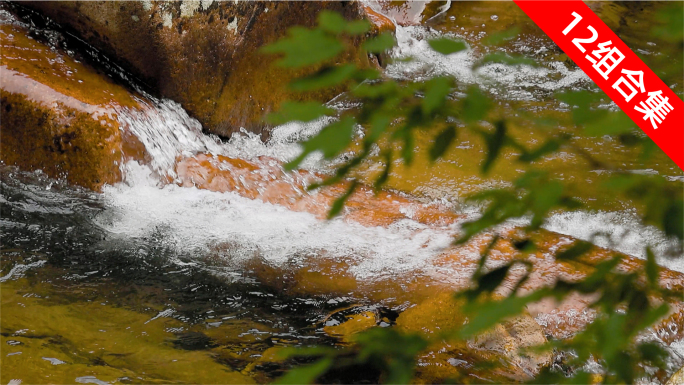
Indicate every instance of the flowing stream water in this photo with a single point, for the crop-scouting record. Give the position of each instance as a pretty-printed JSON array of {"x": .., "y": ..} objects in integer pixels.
[{"x": 172, "y": 272}]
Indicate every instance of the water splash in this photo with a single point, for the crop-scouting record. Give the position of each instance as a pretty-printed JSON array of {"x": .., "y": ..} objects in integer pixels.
[
  {"x": 167, "y": 132},
  {"x": 520, "y": 82},
  {"x": 620, "y": 231},
  {"x": 201, "y": 222}
]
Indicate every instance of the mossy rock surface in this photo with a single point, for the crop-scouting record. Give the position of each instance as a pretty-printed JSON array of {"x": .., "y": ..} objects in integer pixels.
[
  {"x": 66, "y": 343},
  {"x": 205, "y": 54}
]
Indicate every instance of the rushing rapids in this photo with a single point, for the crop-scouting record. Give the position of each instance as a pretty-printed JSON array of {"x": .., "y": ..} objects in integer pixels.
[{"x": 214, "y": 246}]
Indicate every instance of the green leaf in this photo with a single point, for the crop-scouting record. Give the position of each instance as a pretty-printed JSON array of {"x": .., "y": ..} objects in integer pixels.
[
  {"x": 648, "y": 148},
  {"x": 372, "y": 91},
  {"x": 673, "y": 219},
  {"x": 338, "y": 204},
  {"x": 653, "y": 353},
  {"x": 442, "y": 142},
  {"x": 476, "y": 105},
  {"x": 362, "y": 75},
  {"x": 502, "y": 205},
  {"x": 524, "y": 245},
  {"x": 408, "y": 146},
  {"x": 488, "y": 282},
  {"x": 612, "y": 123},
  {"x": 486, "y": 315},
  {"x": 549, "y": 147},
  {"x": 384, "y": 176},
  {"x": 575, "y": 251},
  {"x": 579, "y": 98},
  {"x": 503, "y": 36},
  {"x": 495, "y": 143},
  {"x": 379, "y": 44},
  {"x": 436, "y": 92},
  {"x": 298, "y": 111},
  {"x": 325, "y": 78},
  {"x": 306, "y": 374},
  {"x": 503, "y": 58},
  {"x": 670, "y": 23},
  {"x": 598, "y": 277},
  {"x": 651, "y": 268},
  {"x": 304, "y": 47},
  {"x": 358, "y": 27},
  {"x": 545, "y": 198},
  {"x": 332, "y": 139},
  {"x": 393, "y": 352},
  {"x": 378, "y": 125},
  {"x": 652, "y": 316},
  {"x": 485, "y": 255},
  {"x": 582, "y": 110},
  {"x": 332, "y": 22},
  {"x": 447, "y": 46}
]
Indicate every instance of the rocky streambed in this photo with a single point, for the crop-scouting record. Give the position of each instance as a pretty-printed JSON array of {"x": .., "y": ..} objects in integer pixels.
[{"x": 138, "y": 248}]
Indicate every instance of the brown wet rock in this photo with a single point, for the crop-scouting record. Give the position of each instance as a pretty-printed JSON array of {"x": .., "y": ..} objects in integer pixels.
[
  {"x": 59, "y": 115},
  {"x": 438, "y": 314},
  {"x": 265, "y": 180},
  {"x": 353, "y": 324},
  {"x": 513, "y": 339},
  {"x": 205, "y": 54},
  {"x": 380, "y": 22}
]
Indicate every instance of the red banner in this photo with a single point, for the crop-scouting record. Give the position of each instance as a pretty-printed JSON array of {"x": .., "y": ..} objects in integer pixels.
[{"x": 618, "y": 71}]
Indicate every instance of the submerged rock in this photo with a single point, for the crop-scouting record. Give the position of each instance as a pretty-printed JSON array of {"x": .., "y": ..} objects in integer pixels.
[
  {"x": 58, "y": 114},
  {"x": 204, "y": 54},
  {"x": 96, "y": 340},
  {"x": 350, "y": 325}
]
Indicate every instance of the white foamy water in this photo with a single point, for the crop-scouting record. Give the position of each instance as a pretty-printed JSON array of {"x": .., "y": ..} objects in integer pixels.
[
  {"x": 619, "y": 231},
  {"x": 200, "y": 221},
  {"x": 519, "y": 82}
]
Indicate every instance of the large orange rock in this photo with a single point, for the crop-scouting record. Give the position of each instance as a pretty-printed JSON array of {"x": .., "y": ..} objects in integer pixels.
[
  {"x": 266, "y": 180},
  {"x": 59, "y": 115},
  {"x": 205, "y": 54}
]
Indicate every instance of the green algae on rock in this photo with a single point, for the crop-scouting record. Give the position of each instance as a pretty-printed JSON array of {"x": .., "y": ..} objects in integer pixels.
[
  {"x": 58, "y": 343},
  {"x": 205, "y": 55}
]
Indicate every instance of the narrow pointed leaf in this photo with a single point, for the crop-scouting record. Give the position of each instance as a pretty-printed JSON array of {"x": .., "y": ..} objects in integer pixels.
[{"x": 442, "y": 143}]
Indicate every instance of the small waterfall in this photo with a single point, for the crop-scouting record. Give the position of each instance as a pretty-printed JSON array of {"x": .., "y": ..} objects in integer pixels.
[
  {"x": 167, "y": 132},
  {"x": 197, "y": 222}
]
